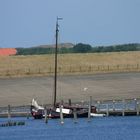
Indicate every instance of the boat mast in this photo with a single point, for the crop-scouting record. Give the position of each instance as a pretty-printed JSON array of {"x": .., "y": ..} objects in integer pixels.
[{"x": 55, "y": 72}]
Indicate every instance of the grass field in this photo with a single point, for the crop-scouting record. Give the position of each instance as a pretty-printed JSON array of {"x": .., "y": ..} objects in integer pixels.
[{"x": 70, "y": 63}]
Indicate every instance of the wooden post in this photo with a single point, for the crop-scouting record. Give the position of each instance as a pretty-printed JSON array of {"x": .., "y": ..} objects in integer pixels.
[
  {"x": 46, "y": 115},
  {"x": 61, "y": 115},
  {"x": 107, "y": 110},
  {"x": 123, "y": 107},
  {"x": 135, "y": 104},
  {"x": 127, "y": 66},
  {"x": 137, "y": 66},
  {"x": 89, "y": 108},
  {"x": 75, "y": 115},
  {"x": 27, "y": 115},
  {"x": 113, "y": 105},
  {"x": 69, "y": 102},
  {"x": 29, "y": 71},
  {"x": 7, "y": 73},
  {"x": 50, "y": 69},
  {"x": 62, "y": 102},
  {"x": 70, "y": 69},
  {"x": 80, "y": 69},
  {"x": 9, "y": 112},
  {"x": 39, "y": 71},
  {"x": 89, "y": 69},
  {"x": 137, "y": 108},
  {"x": 98, "y": 68},
  {"x": 118, "y": 67},
  {"x": 98, "y": 106}
]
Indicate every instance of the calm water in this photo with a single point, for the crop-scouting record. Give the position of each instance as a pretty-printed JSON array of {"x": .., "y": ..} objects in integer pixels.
[{"x": 107, "y": 128}]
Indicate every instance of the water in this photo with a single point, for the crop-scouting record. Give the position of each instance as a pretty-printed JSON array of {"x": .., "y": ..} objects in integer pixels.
[{"x": 106, "y": 128}]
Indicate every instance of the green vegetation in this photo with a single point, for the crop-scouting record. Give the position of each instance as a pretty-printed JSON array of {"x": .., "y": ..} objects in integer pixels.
[
  {"x": 82, "y": 48},
  {"x": 79, "y": 48},
  {"x": 117, "y": 48},
  {"x": 34, "y": 51}
]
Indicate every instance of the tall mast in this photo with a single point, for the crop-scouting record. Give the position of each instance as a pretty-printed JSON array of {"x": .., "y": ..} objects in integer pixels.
[{"x": 55, "y": 72}]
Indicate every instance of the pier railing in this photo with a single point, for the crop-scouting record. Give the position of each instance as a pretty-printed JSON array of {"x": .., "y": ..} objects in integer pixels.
[
  {"x": 15, "y": 111},
  {"x": 119, "y": 107}
]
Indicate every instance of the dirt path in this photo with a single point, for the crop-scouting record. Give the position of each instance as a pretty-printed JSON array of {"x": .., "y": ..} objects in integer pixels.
[{"x": 20, "y": 91}]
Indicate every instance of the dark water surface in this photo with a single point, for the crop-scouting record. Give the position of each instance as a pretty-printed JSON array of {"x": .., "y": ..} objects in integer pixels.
[{"x": 107, "y": 128}]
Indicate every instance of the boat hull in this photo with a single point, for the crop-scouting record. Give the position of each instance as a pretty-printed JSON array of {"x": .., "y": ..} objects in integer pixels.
[
  {"x": 37, "y": 113},
  {"x": 52, "y": 114}
]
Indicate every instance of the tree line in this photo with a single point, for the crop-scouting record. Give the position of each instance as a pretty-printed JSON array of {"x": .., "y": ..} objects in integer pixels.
[{"x": 79, "y": 48}]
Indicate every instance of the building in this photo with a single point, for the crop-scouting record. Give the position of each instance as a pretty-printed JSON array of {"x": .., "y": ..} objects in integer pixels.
[{"x": 7, "y": 51}]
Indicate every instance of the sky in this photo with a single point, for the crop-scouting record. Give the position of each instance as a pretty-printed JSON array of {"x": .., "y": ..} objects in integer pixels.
[{"x": 27, "y": 23}]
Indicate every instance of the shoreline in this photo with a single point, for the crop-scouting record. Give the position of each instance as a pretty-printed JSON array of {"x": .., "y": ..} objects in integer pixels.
[{"x": 20, "y": 91}]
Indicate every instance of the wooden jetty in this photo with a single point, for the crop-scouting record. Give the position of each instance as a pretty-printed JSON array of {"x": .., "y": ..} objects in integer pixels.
[
  {"x": 124, "y": 107},
  {"x": 15, "y": 111}
]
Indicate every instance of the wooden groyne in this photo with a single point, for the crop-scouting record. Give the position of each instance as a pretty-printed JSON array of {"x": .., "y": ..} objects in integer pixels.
[
  {"x": 124, "y": 107},
  {"x": 12, "y": 123}
]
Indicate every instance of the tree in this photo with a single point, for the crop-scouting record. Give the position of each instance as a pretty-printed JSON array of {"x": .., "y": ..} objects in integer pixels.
[{"x": 82, "y": 48}]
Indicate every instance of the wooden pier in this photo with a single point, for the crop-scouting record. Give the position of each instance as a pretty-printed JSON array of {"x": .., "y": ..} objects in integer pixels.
[
  {"x": 124, "y": 107},
  {"x": 15, "y": 111}
]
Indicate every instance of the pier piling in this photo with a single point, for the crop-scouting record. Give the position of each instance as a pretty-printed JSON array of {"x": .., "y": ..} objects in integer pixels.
[
  {"x": 113, "y": 105},
  {"x": 123, "y": 107},
  {"x": 107, "y": 110},
  {"x": 135, "y": 102},
  {"x": 98, "y": 106},
  {"x": 28, "y": 115},
  {"x": 46, "y": 115},
  {"x": 89, "y": 108},
  {"x": 9, "y": 111},
  {"x": 61, "y": 115},
  {"x": 75, "y": 115},
  {"x": 137, "y": 109},
  {"x": 69, "y": 102}
]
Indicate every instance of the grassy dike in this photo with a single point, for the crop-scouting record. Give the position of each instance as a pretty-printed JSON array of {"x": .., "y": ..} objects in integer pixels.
[{"x": 33, "y": 65}]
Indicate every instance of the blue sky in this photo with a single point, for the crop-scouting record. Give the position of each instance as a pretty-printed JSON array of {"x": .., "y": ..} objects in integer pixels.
[{"x": 26, "y": 23}]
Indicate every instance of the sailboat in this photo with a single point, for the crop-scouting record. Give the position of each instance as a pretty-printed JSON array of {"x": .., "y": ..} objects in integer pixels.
[{"x": 38, "y": 112}]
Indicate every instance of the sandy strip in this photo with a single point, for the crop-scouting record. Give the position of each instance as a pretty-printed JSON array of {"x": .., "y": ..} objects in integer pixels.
[{"x": 20, "y": 91}]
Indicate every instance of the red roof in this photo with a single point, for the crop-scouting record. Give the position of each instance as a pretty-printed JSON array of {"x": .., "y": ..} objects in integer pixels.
[{"x": 7, "y": 51}]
